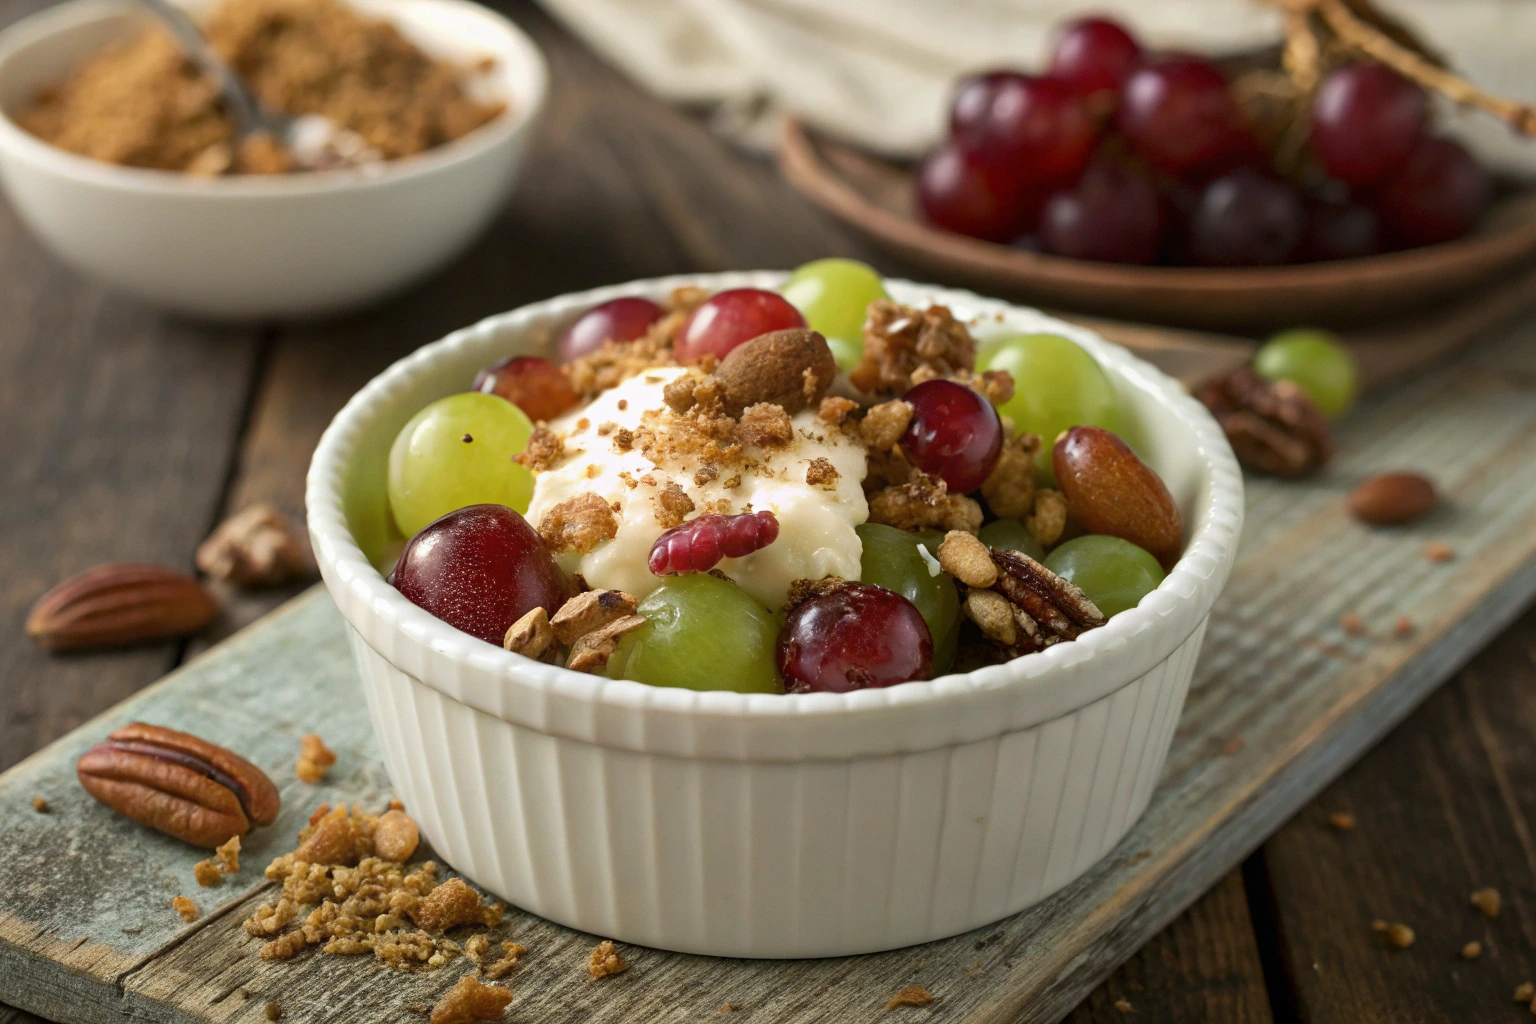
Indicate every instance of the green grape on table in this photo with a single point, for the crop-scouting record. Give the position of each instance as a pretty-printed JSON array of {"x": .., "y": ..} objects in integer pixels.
[
  {"x": 1315, "y": 362},
  {"x": 833, "y": 295},
  {"x": 891, "y": 560},
  {"x": 704, "y": 633},
  {"x": 1114, "y": 573},
  {"x": 457, "y": 452},
  {"x": 1056, "y": 385},
  {"x": 1011, "y": 535}
]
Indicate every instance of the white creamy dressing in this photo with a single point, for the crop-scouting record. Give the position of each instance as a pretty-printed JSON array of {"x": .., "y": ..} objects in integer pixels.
[{"x": 816, "y": 526}]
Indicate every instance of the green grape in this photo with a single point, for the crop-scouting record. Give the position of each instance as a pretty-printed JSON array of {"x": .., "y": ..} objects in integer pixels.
[
  {"x": 1114, "y": 573},
  {"x": 458, "y": 451},
  {"x": 1056, "y": 385},
  {"x": 891, "y": 560},
  {"x": 704, "y": 633},
  {"x": 1316, "y": 362},
  {"x": 1010, "y": 535},
  {"x": 832, "y": 295}
]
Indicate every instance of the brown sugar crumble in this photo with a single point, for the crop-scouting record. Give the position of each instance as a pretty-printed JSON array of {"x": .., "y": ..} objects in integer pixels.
[
  {"x": 912, "y": 995},
  {"x": 140, "y": 102},
  {"x": 184, "y": 906},
  {"x": 821, "y": 473},
  {"x": 605, "y": 961},
  {"x": 470, "y": 1000},
  {"x": 1488, "y": 902},
  {"x": 315, "y": 759},
  {"x": 578, "y": 524},
  {"x": 1341, "y": 821}
]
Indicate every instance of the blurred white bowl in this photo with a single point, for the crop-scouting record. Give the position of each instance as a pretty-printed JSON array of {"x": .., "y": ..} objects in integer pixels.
[{"x": 247, "y": 247}]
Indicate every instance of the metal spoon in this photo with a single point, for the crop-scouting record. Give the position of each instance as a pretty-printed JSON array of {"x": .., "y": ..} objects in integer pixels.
[{"x": 315, "y": 142}]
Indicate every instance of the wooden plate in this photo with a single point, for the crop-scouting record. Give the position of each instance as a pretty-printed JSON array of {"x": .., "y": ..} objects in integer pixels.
[{"x": 875, "y": 197}]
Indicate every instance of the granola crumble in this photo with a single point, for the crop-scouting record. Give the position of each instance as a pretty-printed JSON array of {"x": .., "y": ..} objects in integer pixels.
[
  {"x": 884, "y": 424},
  {"x": 578, "y": 524},
  {"x": 1341, "y": 821},
  {"x": 1525, "y": 992},
  {"x": 1010, "y": 487},
  {"x": 899, "y": 339},
  {"x": 591, "y": 610},
  {"x": 207, "y": 873},
  {"x": 967, "y": 559},
  {"x": 184, "y": 907},
  {"x": 40, "y": 805},
  {"x": 591, "y": 651},
  {"x": 544, "y": 451},
  {"x": 471, "y": 1000},
  {"x": 1048, "y": 521},
  {"x": 912, "y": 995},
  {"x": 616, "y": 362},
  {"x": 1472, "y": 950},
  {"x": 315, "y": 759},
  {"x": 834, "y": 410},
  {"x": 672, "y": 505},
  {"x": 1488, "y": 902},
  {"x": 605, "y": 961},
  {"x": 821, "y": 473},
  {"x": 765, "y": 426},
  {"x": 922, "y": 503}
]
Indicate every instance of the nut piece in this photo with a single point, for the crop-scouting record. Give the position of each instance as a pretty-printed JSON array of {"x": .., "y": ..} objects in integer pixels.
[
  {"x": 589, "y": 611},
  {"x": 256, "y": 547},
  {"x": 967, "y": 559},
  {"x": 1488, "y": 902},
  {"x": 592, "y": 651},
  {"x": 1273, "y": 426},
  {"x": 1109, "y": 490},
  {"x": 470, "y": 1000},
  {"x": 1048, "y": 608},
  {"x": 315, "y": 759},
  {"x": 791, "y": 369},
  {"x": 395, "y": 837},
  {"x": 172, "y": 781},
  {"x": 1392, "y": 499},
  {"x": 605, "y": 961},
  {"x": 912, "y": 995},
  {"x": 531, "y": 636},
  {"x": 119, "y": 603}
]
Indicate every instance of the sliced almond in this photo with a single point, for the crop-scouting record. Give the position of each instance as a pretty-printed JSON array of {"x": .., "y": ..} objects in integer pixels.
[
  {"x": 592, "y": 651},
  {"x": 589, "y": 611},
  {"x": 532, "y": 635}
]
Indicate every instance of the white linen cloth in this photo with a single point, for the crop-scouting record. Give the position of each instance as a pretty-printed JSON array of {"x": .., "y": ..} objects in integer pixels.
[{"x": 878, "y": 73}]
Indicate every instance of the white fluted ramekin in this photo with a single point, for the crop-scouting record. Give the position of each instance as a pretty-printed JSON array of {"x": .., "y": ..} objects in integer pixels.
[{"x": 759, "y": 825}]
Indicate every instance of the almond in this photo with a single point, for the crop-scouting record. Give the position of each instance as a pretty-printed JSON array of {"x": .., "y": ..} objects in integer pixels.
[
  {"x": 1110, "y": 490},
  {"x": 119, "y": 603},
  {"x": 791, "y": 369},
  {"x": 1393, "y": 499}
]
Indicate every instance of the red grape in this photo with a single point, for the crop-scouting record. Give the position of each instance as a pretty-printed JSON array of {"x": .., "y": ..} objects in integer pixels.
[
  {"x": 1034, "y": 130},
  {"x": 1436, "y": 196},
  {"x": 955, "y": 434},
  {"x": 615, "y": 320},
  {"x": 856, "y": 637},
  {"x": 731, "y": 317},
  {"x": 1366, "y": 119},
  {"x": 1340, "y": 231},
  {"x": 480, "y": 569},
  {"x": 536, "y": 386},
  {"x": 699, "y": 544},
  {"x": 1178, "y": 116},
  {"x": 959, "y": 193},
  {"x": 1113, "y": 215},
  {"x": 1246, "y": 219},
  {"x": 1094, "y": 54}
]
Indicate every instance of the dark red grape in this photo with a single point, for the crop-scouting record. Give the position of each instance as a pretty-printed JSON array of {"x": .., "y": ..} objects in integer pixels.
[
  {"x": 731, "y": 317},
  {"x": 1094, "y": 54},
  {"x": 615, "y": 320},
  {"x": 1246, "y": 219},
  {"x": 1438, "y": 195},
  {"x": 699, "y": 544},
  {"x": 955, "y": 434},
  {"x": 1113, "y": 215},
  {"x": 536, "y": 386},
  {"x": 1339, "y": 231},
  {"x": 1177, "y": 114},
  {"x": 480, "y": 569},
  {"x": 856, "y": 637},
  {"x": 959, "y": 193},
  {"x": 1366, "y": 119},
  {"x": 1034, "y": 130}
]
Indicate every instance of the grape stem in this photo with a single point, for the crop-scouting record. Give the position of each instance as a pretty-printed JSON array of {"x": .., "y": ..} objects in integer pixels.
[{"x": 1408, "y": 59}]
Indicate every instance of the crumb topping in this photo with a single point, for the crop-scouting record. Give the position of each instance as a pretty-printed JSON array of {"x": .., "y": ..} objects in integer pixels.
[
  {"x": 765, "y": 425},
  {"x": 578, "y": 524},
  {"x": 924, "y": 503},
  {"x": 672, "y": 506},
  {"x": 821, "y": 473},
  {"x": 899, "y": 340}
]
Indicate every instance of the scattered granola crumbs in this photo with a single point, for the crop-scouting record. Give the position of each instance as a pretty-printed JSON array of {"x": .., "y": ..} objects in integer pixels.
[
  {"x": 451, "y": 905},
  {"x": 470, "y": 1000},
  {"x": 1403, "y": 626},
  {"x": 672, "y": 505},
  {"x": 544, "y": 450},
  {"x": 1438, "y": 551},
  {"x": 184, "y": 906},
  {"x": 606, "y": 961},
  {"x": 912, "y": 995},
  {"x": 1124, "y": 1006},
  {"x": 1472, "y": 950},
  {"x": 272, "y": 1011},
  {"x": 207, "y": 873},
  {"x": 1232, "y": 746},
  {"x": 967, "y": 559},
  {"x": 821, "y": 473},
  {"x": 1525, "y": 992},
  {"x": 765, "y": 425},
  {"x": 315, "y": 759},
  {"x": 40, "y": 805},
  {"x": 1488, "y": 902},
  {"x": 132, "y": 929},
  {"x": 727, "y": 1008},
  {"x": 578, "y": 524},
  {"x": 511, "y": 952},
  {"x": 1341, "y": 821},
  {"x": 1397, "y": 934},
  {"x": 1048, "y": 521},
  {"x": 616, "y": 362},
  {"x": 1352, "y": 623},
  {"x": 228, "y": 856},
  {"x": 899, "y": 340}
]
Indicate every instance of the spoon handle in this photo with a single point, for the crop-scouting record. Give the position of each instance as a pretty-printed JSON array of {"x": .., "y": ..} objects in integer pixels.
[{"x": 242, "y": 105}]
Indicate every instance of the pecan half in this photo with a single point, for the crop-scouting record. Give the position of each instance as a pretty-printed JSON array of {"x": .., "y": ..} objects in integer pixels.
[
  {"x": 1047, "y": 609},
  {"x": 1273, "y": 426},
  {"x": 184, "y": 786},
  {"x": 119, "y": 603}
]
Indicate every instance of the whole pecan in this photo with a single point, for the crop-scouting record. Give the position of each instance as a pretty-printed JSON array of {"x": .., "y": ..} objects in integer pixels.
[
  {"x": 1274, "y": 427},
  {"x": 119, "y": 603},
  {"x": 184, "y": 786},
  {"x": 1047, "y": 609}
]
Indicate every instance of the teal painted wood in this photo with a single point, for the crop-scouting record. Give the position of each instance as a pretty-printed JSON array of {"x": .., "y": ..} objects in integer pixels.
[{"x": 1283, "y": 699}]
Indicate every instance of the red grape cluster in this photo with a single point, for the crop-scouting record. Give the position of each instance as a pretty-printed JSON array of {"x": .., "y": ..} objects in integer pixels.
[{"x": 1120, "y": 155}]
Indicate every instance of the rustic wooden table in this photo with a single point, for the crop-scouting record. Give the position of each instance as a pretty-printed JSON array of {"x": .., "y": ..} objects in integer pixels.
[{"x": 127, "y": 435}]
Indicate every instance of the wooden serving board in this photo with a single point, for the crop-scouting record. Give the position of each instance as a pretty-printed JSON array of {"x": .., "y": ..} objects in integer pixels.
[{"x": 1283, "y": 699}]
